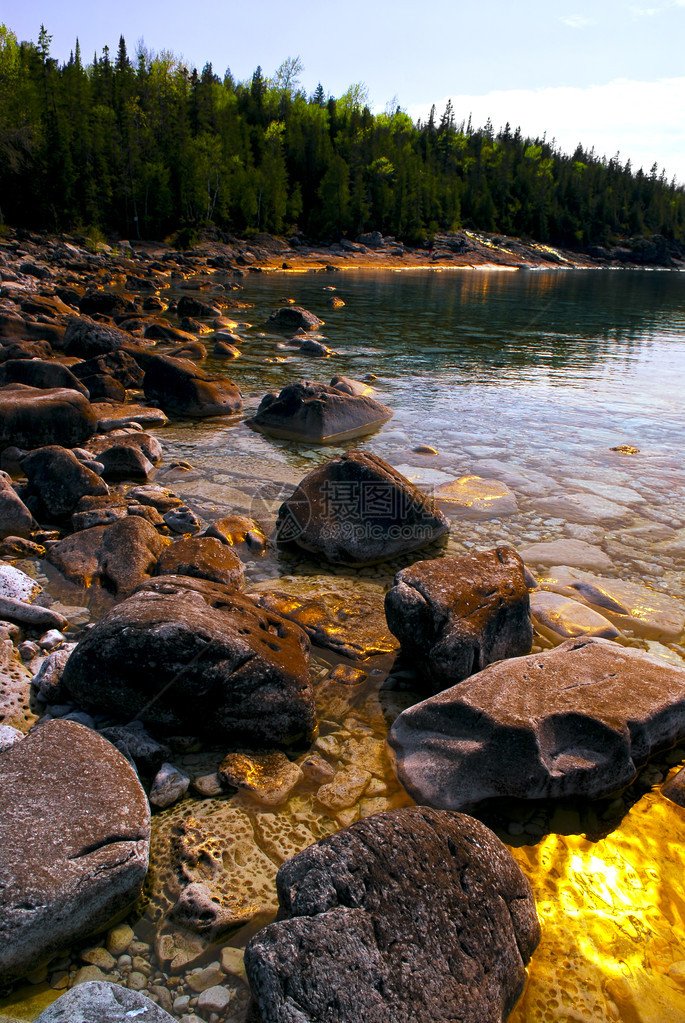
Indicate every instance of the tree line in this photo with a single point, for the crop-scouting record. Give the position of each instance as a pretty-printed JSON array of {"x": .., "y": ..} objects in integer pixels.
[{"x": 143, "y": 146}]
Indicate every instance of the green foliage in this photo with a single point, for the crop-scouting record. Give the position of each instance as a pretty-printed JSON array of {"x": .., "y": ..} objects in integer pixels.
[{"x": 146, "y": 147}]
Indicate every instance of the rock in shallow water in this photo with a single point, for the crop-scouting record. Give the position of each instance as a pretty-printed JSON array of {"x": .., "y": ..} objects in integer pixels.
[
  {"x": 31, "y": 418},
  {"x": 574, "y": 721},
  {"x": 409, "y": 915},
  {"x": 357, "y": 509},
  {"x": 193, "y": 657},
  {"x": 454, "y": 616},
  {"x": 318, "y": 414},
  {"x": 74, "y": 833}
]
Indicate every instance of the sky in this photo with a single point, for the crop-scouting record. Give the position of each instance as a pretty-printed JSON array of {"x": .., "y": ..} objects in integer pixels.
[{"x": 605, "y": 73}]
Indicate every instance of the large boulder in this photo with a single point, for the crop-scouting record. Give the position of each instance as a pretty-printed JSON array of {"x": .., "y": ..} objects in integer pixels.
[
  {"x": 31, "y": 417},
  {"x": 192, "y": 657},
  {"x": 74, "y": 833},
  {"x": 88, "y": 338},
  {"x": 409, "y": 915},
  {"x": 294, "y": 317},
  {"x": 202, "y": 557},
  {"x": 577, "y": 720},
  {"x": 357, "y": 509},
  {"x": 118, "y": 364},
  {"x": 106, "y": 1003},
  {"x": 317, "y": 413},
  {"x": 60, "y": 480},
  {"x": 454, "y": 616},
  {"x": 182, "y": 388},
  {"x": 39, "y": 373}
]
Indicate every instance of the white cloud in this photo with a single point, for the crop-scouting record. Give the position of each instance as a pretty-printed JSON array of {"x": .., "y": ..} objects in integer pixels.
[
  {"x": 644, "y": 121},
  {"x": 577, "y": 21}
]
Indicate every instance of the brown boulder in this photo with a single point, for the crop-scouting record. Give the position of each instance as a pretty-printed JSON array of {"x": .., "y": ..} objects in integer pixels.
[
  {"x": 357, "y": 509},
  {"x": 60, "y": 480},
  {"x": 202, "y": 558},
  {"x": 318, "y": 414},
  {"x": 182, "y": 388},
  {"x": 31, "y": 417},
  {"x": 454, "y": 616}
]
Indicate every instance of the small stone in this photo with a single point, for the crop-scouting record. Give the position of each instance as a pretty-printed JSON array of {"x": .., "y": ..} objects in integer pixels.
[
  {"x": 38, "y": 976},
  {"x": 51, "y": 640},
  {"x": 59, "y": 981},
  {"x": 202, "y": 980},
  {"x": 139, "y": 948},
  {"x": 214, "y": 999},
  {"x": 162, "y": 996},
  {"x": 141, "y": 965},
  {"x": 170, "y": 784},
  {"x": 233, "y": 962},
  {"x": 425, "y": 449},
  {"x": 118, "y": 939},
  {"x": 344, "y": 790},
  {"x": 88, "y": 973},
  {"x": 182, "y": 520},
  {"x": 316, "y": 769},
  {"x": 99, "y": 957},
  {"x": 208, "y": 785},
  {"x": 180, "y": 1004},
  {"x": 137, "y": 981},
  {"x": 124, "y": 962},
  {"x": 8, "y": 736}
]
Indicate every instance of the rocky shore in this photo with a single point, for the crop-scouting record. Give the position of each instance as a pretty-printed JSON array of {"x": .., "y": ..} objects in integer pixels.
[{"x": 186, "y": 754}]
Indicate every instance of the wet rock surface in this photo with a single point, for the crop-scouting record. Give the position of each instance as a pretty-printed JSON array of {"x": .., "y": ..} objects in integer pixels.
[
  {"x": 31, "y": 417},
  {"x": 357, "y": 509},
  {"x": 357, "y": 942},
  {"x": 317, "y": 413},
  {"x": 454, "y": 616},
  {"x": 192, "y": 656},
  {"x": 184, "y": 389},
  {"x": 68, "y": 865},
  {"x": 577, "y": 720},
  {"x": 106, "y": 1003}
]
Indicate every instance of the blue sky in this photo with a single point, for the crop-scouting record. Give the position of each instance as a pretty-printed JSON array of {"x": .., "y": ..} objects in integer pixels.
[{"x": 607, "y": 73}]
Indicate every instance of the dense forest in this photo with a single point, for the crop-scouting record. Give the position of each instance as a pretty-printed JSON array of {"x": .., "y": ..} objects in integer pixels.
[{"x": 143, "y": 147}]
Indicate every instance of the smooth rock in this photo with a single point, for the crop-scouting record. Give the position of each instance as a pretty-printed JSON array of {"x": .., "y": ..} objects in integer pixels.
[
  {"x": 558, "y": 618},
  {"x": 60, "y": 480},
  {"x": 214, "y": 999},
  {"x": 472, "y": 497},
  {"x": 102, "y": 1002},
  {"x": 629, "y": 606},
  {"x": 357, "y": 509},
  {"x": 191, "y": 657},
  {"x": 318, "y": 414},
  {"x": 238, "y": 530},
  {"x": 39, "y": 373},
  {"x": 294, "y": 317},
  {"x": 32, "y": 615},
  {"x": 8, "y": 737},
  {"x": 583, "y": 508},
  {"x": 47, "y": 680},
  {"x": 574, "y": 553},
  {"x": 577, "y": 720},
  {"x": 170, "y": 784},
  {"x": 69, "y": 864},
  {"x": 33, "y": 418},
  {"x": 405, "y": 916},
  {"x": 184, "y": 389},
  {"x": 15, "y": 518},
  {"x": 17, "y": 584},
  {"x": 454, "y": 616}
]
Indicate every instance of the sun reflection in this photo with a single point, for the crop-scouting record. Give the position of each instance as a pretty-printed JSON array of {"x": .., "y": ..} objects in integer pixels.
[{"x": 613, "y": 922}]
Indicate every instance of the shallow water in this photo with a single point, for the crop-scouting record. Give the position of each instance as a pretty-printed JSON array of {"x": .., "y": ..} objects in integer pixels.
[{"x": 527, "y": 378}]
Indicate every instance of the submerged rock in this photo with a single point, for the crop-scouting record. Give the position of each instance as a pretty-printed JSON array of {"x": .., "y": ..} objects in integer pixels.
[
  {"x": 357, "y": 509},
  {"x": 454, "y": 616},
  {"x": 574, "y": 721},
  {"x": 409, "y": 915},
  {"x": 558, "y": 618},
  {"x": 192, "y": 657},
  {"x": 318, "y": 414},
  {"x": 472, "y": 497},
  {"x": 74, "y": 832}
]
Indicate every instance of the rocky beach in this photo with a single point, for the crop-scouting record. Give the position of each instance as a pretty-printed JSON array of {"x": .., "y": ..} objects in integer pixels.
[{"x": 372, "y": 733}]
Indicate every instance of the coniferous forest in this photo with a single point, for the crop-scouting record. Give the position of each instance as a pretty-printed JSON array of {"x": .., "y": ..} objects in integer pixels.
[{"x": 141, "y": 146}]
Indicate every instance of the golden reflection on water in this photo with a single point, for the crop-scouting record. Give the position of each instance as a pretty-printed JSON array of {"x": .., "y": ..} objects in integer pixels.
[{"x": 613, "y": 922}]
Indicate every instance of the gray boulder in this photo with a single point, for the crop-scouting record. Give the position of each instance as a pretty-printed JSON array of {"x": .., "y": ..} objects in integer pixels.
[
  {"x": 317, "y": 413},
  {"x": 409, "y": 915},
  {"x": 74, "y": 833},
  {"x": 188, "y": 656},
  {"x": 357, "y": 509},
  {"x": 182, "y": 388},
  {"x": 454, "y": 616},
  {"x": 294, "y": 317},
  {"x": 15, "y": 517},
  {"x": 577, "y": 720},
  {"x": 100, "y": 1001},
  {"x": 31, "y": 417}
]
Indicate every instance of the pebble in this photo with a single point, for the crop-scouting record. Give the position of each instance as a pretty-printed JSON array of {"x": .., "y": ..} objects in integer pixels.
[
  {"x": 119, "y": 939},
  {"x": 52, "y": 639},
  {"x": 88, "y": 973},
  {"x": 182, "y": 520},
  {"x": 233, "y": 961},
  {"x": 99, "y": 957},
  {"x": 137, "y": 981},
  {"x": 202, "y": 980},
  {"x": 180, "y": 1004},
  {"x": 170, "y": 785},
  {"x": 214, "y": 999}
]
